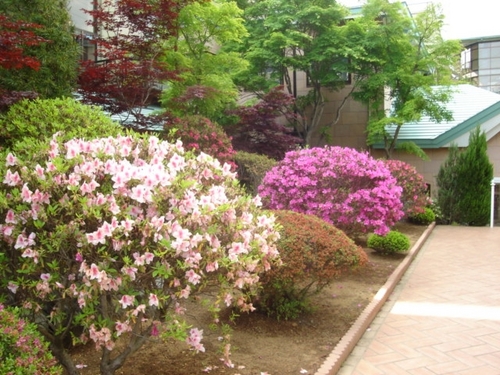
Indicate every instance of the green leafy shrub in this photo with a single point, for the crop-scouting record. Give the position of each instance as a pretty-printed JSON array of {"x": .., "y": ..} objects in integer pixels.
[
  {"x": 23, "y": 351},
  {"x": 252, "y": 168},
  {"x": 423, "y": 218},
  {"x": 392, "y": 242},
  {"x": 200, "y": 134},
  {"x": 313, "y": 253},
  {"x": 434, "y": 207},
  {"x": 39, "y": 119}
]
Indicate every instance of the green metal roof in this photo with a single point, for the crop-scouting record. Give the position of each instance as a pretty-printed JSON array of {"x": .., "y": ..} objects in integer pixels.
[{"x": 471, "y": 106}]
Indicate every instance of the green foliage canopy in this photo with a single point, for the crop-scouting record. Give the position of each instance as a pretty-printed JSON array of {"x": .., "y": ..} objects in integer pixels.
[
  {"x": 405, "y": 58},
  {"x": 196, "y": 53},
  {"x": 289, "y": 36}
]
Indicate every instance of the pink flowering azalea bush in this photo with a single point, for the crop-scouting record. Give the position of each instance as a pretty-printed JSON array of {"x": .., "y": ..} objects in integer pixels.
[
  {"x": 346, "y": 188},
  {"x": 23, "y": 351},
  {"x": 113, "y": 235},
  {"x": 414, "y": 196}
]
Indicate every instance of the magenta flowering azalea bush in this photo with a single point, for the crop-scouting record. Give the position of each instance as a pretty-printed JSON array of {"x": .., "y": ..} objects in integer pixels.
[
  {"x": 414, "y": 196},
  {"x": 112, "y": 236},
  {"x": 350, "y": 189}
]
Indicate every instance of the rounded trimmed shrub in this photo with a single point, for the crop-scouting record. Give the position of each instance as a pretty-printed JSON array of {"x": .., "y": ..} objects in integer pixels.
[
  {"x": 313, "y": 253},
  {"x": 344, "y": 187},
  {"x": 423, "y": 218},
  {"x": 392, "y": 242},
  {"x": 251, "y": 169},
  {"x": 200, "y": 134},
  {"x": 414, "y": 196},
  {"x": 23, "y": 350},
  {"x": 39, "y": 119}
]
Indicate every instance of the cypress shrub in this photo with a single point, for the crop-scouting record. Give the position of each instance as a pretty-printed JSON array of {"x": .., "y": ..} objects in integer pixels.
[
  {"x": 475, "y": 173},
  {"x": 464, "y": 183},
  {"x": 447, "y": 182}
]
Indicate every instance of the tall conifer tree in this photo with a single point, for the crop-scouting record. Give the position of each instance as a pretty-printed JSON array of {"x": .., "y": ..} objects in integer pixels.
[{"x": 475, "y": 172}]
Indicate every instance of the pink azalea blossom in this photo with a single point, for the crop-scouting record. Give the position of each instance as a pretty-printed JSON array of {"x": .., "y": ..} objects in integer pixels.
[
  {"x": 148, "y": 257},
  {"x": 94, "y": 273},
  {"x": 193, "y": 277},
  {"x": 194, "y": 339},
  {"x": 10, "y": 217},
  {"x": 40, "y": 172},
  {"x": 153, "y": 300},
  {"x": 139, "y": 309},
  {"x": 7, "y": 230},
  {"x": 24, "y": 241},
  {"x": 12, "y": 179},
  {"x": 26, "y": 193},
  {"x": 127, "y": 301},
  {"x": 130, "y": 272},
  {"x": 122, "y": 328},
  {"x": 185, "y": 292},
  {"x": 12, "y": 287},
  {"x": 11, "y": 160},
  {"x": 180, "y": 310}
]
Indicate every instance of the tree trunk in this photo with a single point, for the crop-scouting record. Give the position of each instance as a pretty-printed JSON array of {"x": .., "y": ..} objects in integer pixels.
[
  {"x": 63, "y": 357},
  {"x": 138, "y": 338}
]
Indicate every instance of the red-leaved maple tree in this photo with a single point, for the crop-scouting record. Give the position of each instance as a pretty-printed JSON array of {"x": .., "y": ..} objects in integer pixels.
[
  {"x": 15, "y": 37},
  {"x": 258, "y": 129},
  {"x": 127, "y": 73}
]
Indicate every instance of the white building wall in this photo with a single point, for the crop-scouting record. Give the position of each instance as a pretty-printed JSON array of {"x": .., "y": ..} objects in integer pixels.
[{"x": 78, "y": 16}]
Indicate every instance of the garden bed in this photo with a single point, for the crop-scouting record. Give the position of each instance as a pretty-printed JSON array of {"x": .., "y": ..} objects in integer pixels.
[{"x": 263, "y": 345}]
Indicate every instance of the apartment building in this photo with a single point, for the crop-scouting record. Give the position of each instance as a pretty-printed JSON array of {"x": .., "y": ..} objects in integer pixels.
[
  {"x": 84, "y": 33},
  {"x": 481, "y": 62}
]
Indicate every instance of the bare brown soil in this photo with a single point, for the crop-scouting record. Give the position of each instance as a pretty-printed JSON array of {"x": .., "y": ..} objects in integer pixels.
[{"x": 262, "y": 345}]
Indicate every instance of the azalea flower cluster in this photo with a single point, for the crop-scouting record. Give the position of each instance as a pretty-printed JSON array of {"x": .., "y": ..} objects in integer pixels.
[
  {"x": 347, "y": 188},
  {"x": 114, "y": 234},
  {"x": 414, "y": 195}
]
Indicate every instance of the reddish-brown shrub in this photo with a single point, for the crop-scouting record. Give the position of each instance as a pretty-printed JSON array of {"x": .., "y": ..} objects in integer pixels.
[
  {"x": 198, "y": 133},
  {"x": 313, "y": 253}
]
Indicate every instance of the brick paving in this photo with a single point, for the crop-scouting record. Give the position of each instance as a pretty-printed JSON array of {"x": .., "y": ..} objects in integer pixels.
[{"x": 444, "y": 315}]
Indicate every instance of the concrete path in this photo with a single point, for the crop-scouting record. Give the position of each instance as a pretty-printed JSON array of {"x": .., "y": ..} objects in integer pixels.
[{"x": 444, "y": 316}]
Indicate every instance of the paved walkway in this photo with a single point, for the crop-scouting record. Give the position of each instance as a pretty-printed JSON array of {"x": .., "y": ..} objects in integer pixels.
[{"x": 444, "y": 316}]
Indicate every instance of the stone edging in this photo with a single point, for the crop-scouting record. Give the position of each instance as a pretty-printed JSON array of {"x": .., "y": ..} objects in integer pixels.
[{"x": 345, "y": 346}]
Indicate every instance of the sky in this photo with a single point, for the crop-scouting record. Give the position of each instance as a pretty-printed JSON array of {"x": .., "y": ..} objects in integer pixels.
[{"x": 464, "y": 19}]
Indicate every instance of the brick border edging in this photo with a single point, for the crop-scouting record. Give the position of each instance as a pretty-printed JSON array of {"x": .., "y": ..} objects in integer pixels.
[{"x": 345, "y": 346}]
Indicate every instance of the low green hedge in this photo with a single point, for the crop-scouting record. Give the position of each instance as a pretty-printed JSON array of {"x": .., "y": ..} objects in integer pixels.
[{"x": 392, "y": 242}]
